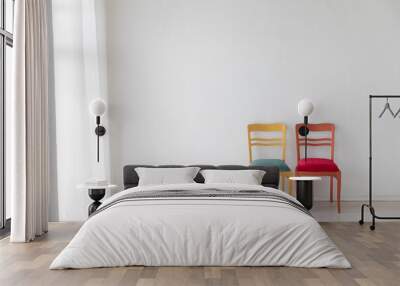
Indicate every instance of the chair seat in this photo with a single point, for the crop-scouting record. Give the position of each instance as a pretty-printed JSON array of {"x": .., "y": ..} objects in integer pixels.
[
  {"x": 283, "y": 167},
  {"x": 316, "y": 165}
]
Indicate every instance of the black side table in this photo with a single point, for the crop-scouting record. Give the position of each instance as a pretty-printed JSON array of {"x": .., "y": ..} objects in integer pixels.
[
  {"x": 96, "y": 193},
  {"x": 304, "y": 190}
]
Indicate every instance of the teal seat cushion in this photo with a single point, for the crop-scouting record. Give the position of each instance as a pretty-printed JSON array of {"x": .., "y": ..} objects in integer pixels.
[{"x": 283, "y": 167}]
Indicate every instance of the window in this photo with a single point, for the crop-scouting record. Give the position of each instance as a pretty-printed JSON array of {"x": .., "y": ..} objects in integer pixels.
[{"x": 6, "y": 44}]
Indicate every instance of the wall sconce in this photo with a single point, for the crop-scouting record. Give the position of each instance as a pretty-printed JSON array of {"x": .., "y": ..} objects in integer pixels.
[
  {"x": 98, "y": 107},
  {"x": 305, "y": 108}
]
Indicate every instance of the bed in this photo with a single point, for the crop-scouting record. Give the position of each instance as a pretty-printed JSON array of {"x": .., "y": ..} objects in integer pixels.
[{"x": 199, "y": 224}]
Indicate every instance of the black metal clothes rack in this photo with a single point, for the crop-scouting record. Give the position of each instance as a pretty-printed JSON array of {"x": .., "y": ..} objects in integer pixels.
[{"x": 370, "y": 203}]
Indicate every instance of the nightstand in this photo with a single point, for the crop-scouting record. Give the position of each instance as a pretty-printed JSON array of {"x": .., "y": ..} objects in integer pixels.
[
  {"x": 96, "y": 193},
  {"x": 304, "y": 190}
]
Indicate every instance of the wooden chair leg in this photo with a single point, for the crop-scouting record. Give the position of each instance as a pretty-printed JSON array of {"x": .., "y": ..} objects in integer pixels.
[
  {"x": 331, "y": 188},
  {"x": 339, "y": 190}
]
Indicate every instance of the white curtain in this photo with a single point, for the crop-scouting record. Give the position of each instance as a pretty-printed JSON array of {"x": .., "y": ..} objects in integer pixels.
[{"x": 29, "y": 122}]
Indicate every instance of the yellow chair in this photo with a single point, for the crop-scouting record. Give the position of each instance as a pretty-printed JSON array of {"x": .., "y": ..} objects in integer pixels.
[{"x": 279, "y": 141}]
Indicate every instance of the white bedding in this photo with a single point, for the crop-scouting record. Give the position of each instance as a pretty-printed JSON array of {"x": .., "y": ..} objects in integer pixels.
[{"x": 199, "y": 231}]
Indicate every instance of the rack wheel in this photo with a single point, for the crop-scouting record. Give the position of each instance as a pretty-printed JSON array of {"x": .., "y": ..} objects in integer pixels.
[
  {"x": 372, "y": 227},
  {"x": 361, "y": 222}
]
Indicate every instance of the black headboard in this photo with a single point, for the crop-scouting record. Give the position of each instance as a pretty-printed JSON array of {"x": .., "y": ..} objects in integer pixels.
[{"x": 271, "y": 177}]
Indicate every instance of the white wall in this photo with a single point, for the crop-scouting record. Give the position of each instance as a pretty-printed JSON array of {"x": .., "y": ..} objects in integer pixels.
[
  {"x": 183, "y": 78},
  {"x": 186, "y": 77}
]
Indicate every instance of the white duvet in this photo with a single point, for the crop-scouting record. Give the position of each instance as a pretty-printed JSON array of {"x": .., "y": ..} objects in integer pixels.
[{"x": 212, "y": 231}]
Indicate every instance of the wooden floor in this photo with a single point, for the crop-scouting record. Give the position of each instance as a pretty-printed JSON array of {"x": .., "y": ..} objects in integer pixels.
[{"x": 375, "y": 257}]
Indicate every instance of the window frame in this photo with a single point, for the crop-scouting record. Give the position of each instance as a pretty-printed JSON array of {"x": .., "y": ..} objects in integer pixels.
[{"x": 6, "y": 39}]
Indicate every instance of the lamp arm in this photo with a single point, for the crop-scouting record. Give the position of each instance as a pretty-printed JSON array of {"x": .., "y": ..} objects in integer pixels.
[
  {"x": 98, "y": 146},
  {"x": 305, "y": 137},
  {"x": 99, "y": 131},
  {"x": 98, "y": 138}
]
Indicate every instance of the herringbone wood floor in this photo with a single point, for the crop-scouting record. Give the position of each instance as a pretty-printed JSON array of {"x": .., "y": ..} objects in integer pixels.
[{"x": 375, "y": 257}]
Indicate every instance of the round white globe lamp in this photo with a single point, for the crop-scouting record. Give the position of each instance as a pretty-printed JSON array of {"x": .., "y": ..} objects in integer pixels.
[
  {"x": 305, "y": 107},
  {"x": 97, "y": 107}
]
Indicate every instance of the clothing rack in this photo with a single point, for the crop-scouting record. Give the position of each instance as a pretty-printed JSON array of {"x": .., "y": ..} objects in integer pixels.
[{"x": 370, "y": 204}]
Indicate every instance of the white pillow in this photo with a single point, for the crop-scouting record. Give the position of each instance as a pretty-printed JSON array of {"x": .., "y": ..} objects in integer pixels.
[
  {"x": 166, "y": 176},
  {"x": 248, "y": 177}
]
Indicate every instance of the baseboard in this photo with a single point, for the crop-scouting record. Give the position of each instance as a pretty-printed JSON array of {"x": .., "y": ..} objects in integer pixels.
[{"x": 365, "y": 199}]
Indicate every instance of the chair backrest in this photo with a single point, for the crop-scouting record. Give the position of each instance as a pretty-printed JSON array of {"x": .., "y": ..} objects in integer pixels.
[
  {"x": 316, "y": 141},
  {"x": 266, "y": 141}
]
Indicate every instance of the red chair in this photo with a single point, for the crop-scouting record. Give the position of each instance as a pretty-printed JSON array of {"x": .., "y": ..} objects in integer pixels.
[{"x": 319, "y": 166}]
